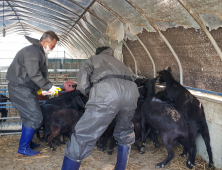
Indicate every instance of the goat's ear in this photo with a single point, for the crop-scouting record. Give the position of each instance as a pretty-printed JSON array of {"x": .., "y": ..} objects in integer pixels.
[{"x": 169, "y": 69}]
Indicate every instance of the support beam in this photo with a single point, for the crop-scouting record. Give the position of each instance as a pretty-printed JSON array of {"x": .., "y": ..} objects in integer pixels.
[
  {"x": 88, "y": 11},
  {"x": 81, "y": 17},
  {"x": 200, "y": 23},
  {"x": 132, "y": 56},
  {"x": 73, "y": 34},
  {"x": 164, "y": 39},
  {"x": 87, "y": 40},
  {"x": 16, "y": 15},
  {"x": 83, "y": 34},
  {"x": 154, "y": 67}
]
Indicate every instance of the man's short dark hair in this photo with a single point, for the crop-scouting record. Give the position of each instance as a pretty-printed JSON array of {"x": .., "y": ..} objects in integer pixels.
[
  {"x": 100, "y": 49},
  {"x": 49, "y": 35}
]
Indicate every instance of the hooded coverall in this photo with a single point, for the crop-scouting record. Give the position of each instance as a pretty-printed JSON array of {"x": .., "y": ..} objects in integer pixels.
[
  {"x": 27, "y": 74},
  {"x": 109, "y": 98}
]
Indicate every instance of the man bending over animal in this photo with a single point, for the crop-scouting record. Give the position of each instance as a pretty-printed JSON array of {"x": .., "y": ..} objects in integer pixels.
[{"x": 112, "y": 93}]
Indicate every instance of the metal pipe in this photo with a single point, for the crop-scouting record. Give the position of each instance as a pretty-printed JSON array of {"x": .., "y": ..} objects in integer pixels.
[
  {"x": 175, "y": 56},
  {"x": 10, "y": 126},
  {"x": 2, "y": 118},
  {"x": 11, "y": 133},
  {"x": 132, "y": 56},
  {"x": 164, "y": 39},
  {"x": 80, "y": 42},
  {"x": 197, "y": 19},
  {"x": 154, "y": 67},
  {"x": 86, "y": 42}
]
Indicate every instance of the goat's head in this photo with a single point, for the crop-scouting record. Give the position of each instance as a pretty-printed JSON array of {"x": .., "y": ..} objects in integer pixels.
[{"x": 164, "y": 75}]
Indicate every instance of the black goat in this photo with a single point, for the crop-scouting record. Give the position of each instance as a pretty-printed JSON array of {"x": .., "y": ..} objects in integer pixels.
[
  {"x": 47, "y": 110},
  {"x": 4, "y": 111},
  {"x": 164, "y": 118},
  {"x": 191, "y": 108},
  {"x": 108, "y": 134},
  {"x": 74, "y": 100},
  {"x": 63, "y": 121}
]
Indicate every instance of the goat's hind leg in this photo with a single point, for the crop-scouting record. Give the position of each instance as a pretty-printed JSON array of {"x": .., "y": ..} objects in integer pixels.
[
  {"x": 55, "y": 132},
  {"x": 167, "y": 140},
  {"x": 143, "y": 134},
  {"x": 206, "y": 138},
  {"x": 184, "y": 142},
  {"x": 111, "y": 145},
  {"x": 154, "y": 138},
  {"x": 192, "y": 151}
]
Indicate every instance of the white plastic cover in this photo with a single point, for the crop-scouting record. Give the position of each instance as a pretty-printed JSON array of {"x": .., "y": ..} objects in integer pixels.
[{"x": 86, "y": 24}]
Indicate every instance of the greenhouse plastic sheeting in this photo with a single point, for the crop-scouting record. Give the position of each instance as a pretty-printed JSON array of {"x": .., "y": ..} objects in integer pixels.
[{"x": 84, "y": 25}]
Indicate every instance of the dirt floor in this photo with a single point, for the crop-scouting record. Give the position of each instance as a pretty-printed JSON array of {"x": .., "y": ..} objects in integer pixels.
[{"x": 98, "y": 160}]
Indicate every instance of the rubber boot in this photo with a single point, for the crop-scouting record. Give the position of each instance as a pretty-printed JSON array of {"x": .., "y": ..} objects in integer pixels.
[
  {"x": 122, "y": 157},
  {"x": 34, "y": 145},
  {"x": 69, "y": 164},
  {"x": 25, "y": 140}
]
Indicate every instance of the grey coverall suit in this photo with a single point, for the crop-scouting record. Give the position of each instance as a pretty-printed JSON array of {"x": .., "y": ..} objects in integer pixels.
[
  {"x": 108, "y": 99},
  {"x": 27, "y": 74}
]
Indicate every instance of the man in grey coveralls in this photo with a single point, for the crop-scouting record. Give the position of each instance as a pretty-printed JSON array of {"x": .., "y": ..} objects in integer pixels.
[
  {"x": 27, "y": 74},
  {"x": 113, "y": 94}
]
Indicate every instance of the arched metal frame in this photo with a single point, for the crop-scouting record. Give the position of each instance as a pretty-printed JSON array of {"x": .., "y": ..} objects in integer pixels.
[
  {"x": 80, "y": 17},
  {"x": 15, "y": 14},
  {"x": 154, "y": 67},
  {"x": 132, "y": 56},
  {"x": 164, "y": 39},
  {"x": 198, "y": 20},
  {"x": 69, "y": 28}
]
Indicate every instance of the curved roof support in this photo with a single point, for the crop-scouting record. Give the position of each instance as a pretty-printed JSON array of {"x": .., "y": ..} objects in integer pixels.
[
  {"x": 51, "y": 10},
  {"x": 16, "y": 15},
  {"x": 164, "y": 39},
  {"x": 124, "y": 23},
  {"x": 88, "y": 12},
  {"x": 73, "y": 33},
  {"x": 68, "y": 46},
  {"x": 93, "y": 44},
  {"x": 132, "y": 56},
  {"x": 87, "y": 40},
  {"x": 49, "y": 18},
  {"x": 87, "y": 31},
  {"x": 200, "y": 23},
  {"x": 79, "y": 46},
  {"x": 110, "y": 10},
  {"x": 82, "y": 45},
  {"x": 154, "y": 67},
  {"x": 80, "y": 16}
]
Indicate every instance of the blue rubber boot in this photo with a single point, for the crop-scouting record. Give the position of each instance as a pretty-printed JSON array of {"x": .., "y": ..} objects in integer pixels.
[
  {"x": 122, "y": 157},
  {"x": 25, "y": 140},
  {"x": 34, "y": 145},
  {"x": 69, "y": 164}
]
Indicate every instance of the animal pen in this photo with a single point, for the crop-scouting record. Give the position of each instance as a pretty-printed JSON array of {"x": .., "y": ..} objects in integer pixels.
[{"x": 147, "y": 36}]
